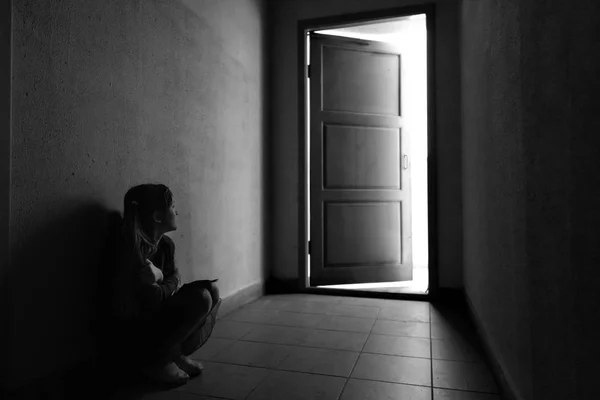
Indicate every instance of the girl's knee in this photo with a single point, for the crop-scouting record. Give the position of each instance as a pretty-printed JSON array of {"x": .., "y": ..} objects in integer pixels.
[
  {"x": 206, "y": 301},
  {"x": 198, "y": 302},
  {"x": 214, "y": 292}
]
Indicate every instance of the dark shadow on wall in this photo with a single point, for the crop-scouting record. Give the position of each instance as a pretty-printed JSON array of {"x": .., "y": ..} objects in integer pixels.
[
  {"x": 267, "y": 206},
  {"x": 58, "y": 290}
]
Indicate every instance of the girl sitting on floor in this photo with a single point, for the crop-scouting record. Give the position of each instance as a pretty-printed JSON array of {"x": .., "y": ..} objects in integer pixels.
[{"x": 164, "y": 322}]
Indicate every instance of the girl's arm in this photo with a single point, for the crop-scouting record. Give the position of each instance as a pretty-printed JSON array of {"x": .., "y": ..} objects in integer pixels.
[
  {"x": 152, "y": 291},
  {"x": 151, "y": 295},
  {"x": 150, "y": 273},
  {"x": 171, "y": 273}
]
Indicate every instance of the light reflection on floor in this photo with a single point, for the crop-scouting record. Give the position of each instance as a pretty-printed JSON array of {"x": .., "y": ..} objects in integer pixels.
[{"x": 419, "y": 284}]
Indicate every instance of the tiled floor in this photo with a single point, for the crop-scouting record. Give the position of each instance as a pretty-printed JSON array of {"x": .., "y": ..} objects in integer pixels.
[{"x": 326, "y": 347}]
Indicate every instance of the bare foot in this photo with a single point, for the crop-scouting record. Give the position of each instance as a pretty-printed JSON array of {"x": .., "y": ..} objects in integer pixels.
[
  {"x": 192, "y": 367},
  {"x": 169, "y": 374}
]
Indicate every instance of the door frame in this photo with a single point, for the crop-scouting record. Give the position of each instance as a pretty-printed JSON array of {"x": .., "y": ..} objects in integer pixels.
[{"x": 305, "y": 26}]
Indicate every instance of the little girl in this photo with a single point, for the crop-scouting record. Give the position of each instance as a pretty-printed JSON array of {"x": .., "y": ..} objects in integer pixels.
[{"x": 163, "y": 321}]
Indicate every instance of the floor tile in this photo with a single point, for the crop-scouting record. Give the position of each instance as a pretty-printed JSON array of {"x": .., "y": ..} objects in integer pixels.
[
  {"x": 364, "y": 301},
  {"x": 358, "y": 389},
  {"x": 255, "y": 354},
  {"x": 463, "y": 376},
  {"x": 225, "y": 381},
  {"x": 409, "y": 313},
  {"x": 266, "y": 303},
  {"x": 211, "y": 348},
  {"x": 307, "y": 337},
  {"x": 347, "y": 324},
  {"x": 252, "y": 315},
  {"x": 401, "y": 328},
  {"x": 354, "y": 311},
  {"x": 226, "y": 329},
  {"x": 295, "y": 304},
  {"x": 415, "y": 371},
  {"x": 337, "y": 340},
  {"x": 307, "y": 297},
  {"x": 417, "y": 306},
  {"x": 444, "y": 394},
  {"x": 298, "y": 386},
  {"x": 320, "y": 361},
  {"x": 295, "y": 319},
  {"x": 456, "y": 349},
  {"x": 309, "y": 307},
  {"x": 277, "y": 334},
  {"x": 398, "y": 346}
]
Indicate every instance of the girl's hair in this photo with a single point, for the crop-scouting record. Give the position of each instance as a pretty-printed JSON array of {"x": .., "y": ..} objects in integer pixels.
[{"x": 139, "y": 205}]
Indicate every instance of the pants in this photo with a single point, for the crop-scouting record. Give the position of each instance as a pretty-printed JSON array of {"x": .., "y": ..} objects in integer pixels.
[{"x": 178, "y": 327}]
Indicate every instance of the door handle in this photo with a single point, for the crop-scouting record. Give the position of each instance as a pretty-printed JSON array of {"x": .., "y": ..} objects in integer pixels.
[{"x": 405, "y": 161}]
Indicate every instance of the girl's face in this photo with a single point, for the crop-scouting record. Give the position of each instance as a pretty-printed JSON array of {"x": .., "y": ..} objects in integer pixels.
[
  {"x": 170, "y": 218},
  {"x": 167, "y": 220}
]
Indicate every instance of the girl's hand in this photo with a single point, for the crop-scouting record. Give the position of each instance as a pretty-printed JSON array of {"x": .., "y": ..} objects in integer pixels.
[{"x": 150, "y": 274}]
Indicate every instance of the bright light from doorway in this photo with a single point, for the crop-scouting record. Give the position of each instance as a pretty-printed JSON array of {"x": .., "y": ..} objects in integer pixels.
[{"x": 409, "y": 35}]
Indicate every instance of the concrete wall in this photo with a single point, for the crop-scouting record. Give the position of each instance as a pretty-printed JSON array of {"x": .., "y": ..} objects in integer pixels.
[
  {"x": 495, "y": 263},
  {"x": 560, "y": 47},
  {"x": 111, "y": 94},
  {"x": 285, "y": 142},
  {"x": 5, "y": 78},
  {"x": 532, "y": 189}
]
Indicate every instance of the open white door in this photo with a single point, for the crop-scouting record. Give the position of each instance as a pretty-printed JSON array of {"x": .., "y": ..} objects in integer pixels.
[{"x": 360, "y": 211}]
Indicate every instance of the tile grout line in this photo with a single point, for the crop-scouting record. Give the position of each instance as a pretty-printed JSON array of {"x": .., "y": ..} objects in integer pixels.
[
  {"x": 300, "y": 345},
  {"x": 359, "y": 354},
  {"x": 338, "y": 376},
  {"x": 280, "y": 362},
  {"x": 335, "y": 330},
  {"x": 223, "y": 349},
  {"x": 327, "y": 315},
  {"x": 356, "y": 362},
  {"x": 309, "y": 313},
  {"x": 268, "y": 369},
  {"x": 325, "y": 349},
  {"x": 259, "y": 308},
  {"x": 313, "y": 329}
]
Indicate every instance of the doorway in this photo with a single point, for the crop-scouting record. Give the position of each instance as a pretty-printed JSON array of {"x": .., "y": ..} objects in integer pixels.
[{"x": 368, "y": 130}]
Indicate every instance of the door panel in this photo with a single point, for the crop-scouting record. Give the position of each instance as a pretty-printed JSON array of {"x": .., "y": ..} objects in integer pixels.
[
  {"x": 358, "y": 157},
  {"x": 374, "y": 75},
  {"x": 359, "y": 177},
  {"x": 362, "y": 233}
]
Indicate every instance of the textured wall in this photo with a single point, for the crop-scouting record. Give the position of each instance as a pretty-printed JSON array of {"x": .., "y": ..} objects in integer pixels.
[
  {"x": 532, "y": 189},
  {"x": 284, "y": 103},
  {"x": 561, "y": 44},
  {"x": 111, "y": 94},
  {"x": 495, "y": 268},
  {"x": 5, "y": 51}
]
